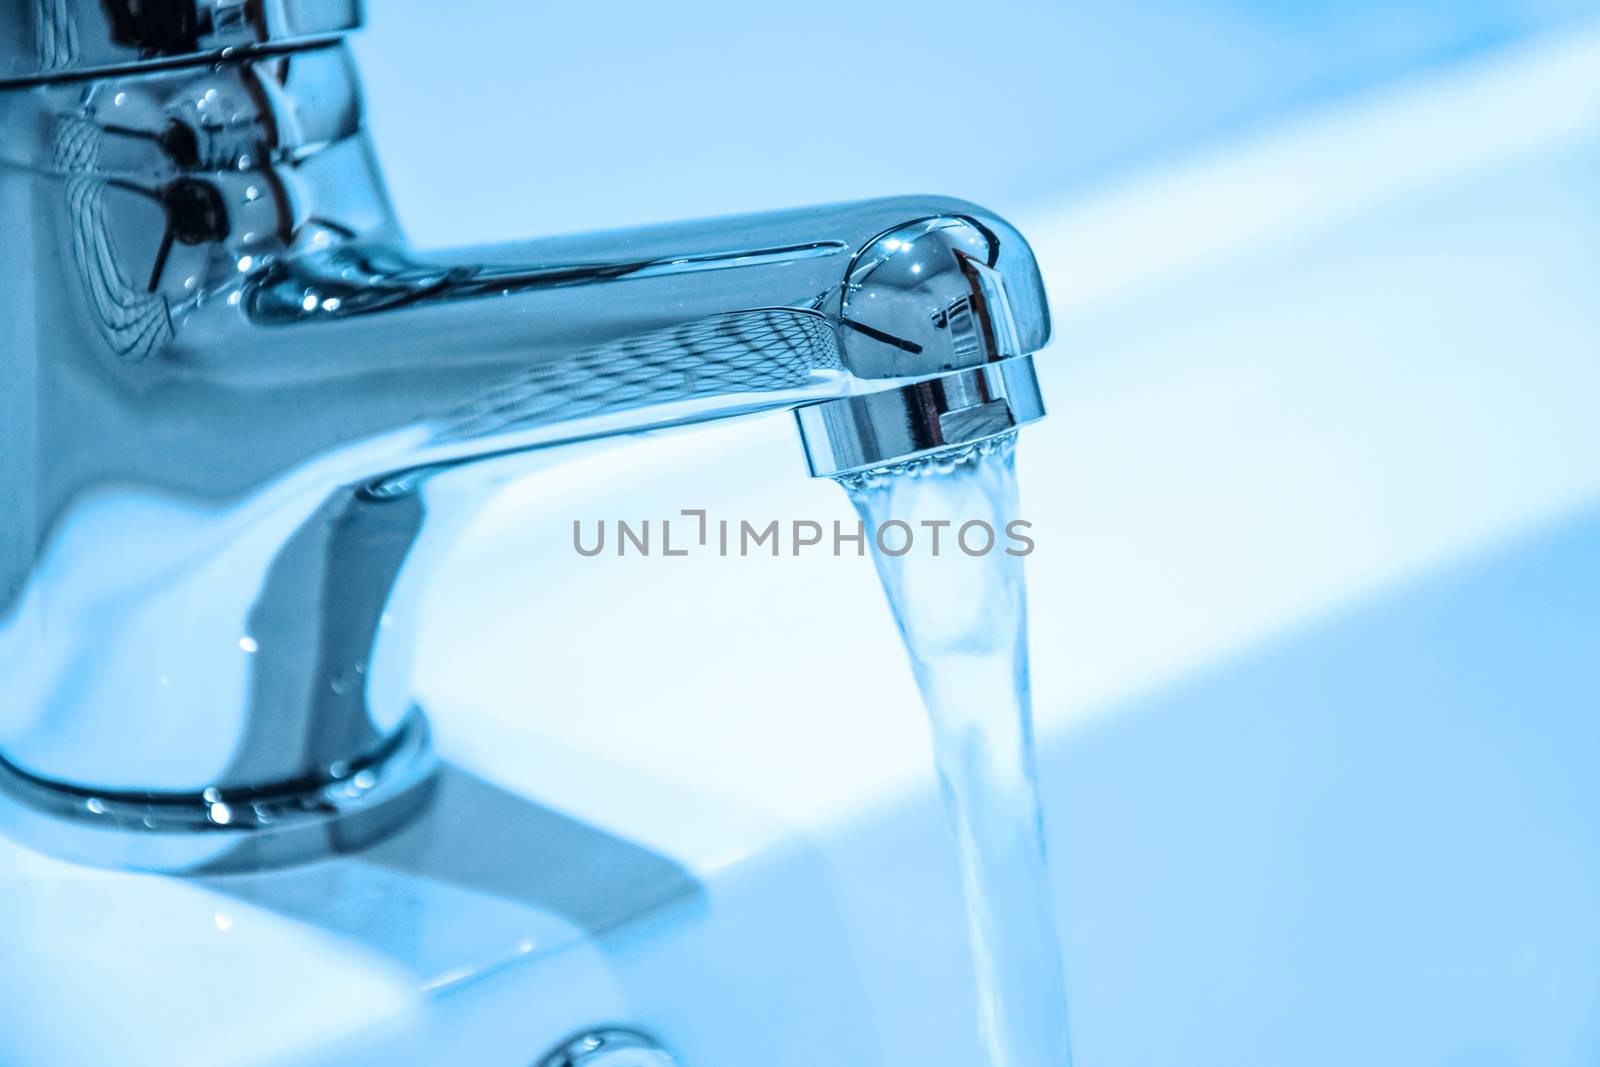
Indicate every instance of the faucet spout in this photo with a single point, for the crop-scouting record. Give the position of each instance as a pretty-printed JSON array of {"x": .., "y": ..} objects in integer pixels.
[
  {"x": 231, "y": 387},
  {"x": 492, "y": 350}
]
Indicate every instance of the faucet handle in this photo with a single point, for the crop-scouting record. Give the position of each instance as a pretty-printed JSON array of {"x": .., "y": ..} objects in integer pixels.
[{"x": 50, "y": 39}]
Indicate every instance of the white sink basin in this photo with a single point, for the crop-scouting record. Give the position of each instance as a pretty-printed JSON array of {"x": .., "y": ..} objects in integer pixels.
[{"x": 1314, "y": 611}]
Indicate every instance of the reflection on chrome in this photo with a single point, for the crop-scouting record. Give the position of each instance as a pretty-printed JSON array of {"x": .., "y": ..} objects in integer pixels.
[{"x": 232, "y": 392}]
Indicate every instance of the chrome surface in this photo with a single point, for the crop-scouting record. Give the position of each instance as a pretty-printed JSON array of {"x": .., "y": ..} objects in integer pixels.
[
  {"x": 925, "y": 295},
  {"x": 858, "y": 433},
  {"x": 609, "y": 1048},
  {"x": 240, "y": 417},
  {"x": 76, "y": 38}
]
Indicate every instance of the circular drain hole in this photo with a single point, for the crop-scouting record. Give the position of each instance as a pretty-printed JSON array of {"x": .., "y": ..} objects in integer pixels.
[{"x": 609, "y": 1048}]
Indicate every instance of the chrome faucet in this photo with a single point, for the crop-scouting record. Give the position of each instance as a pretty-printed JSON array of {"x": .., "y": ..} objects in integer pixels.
[{"x": 237, "y": 411}]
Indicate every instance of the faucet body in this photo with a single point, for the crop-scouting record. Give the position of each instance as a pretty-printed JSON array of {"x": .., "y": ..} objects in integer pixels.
[{"x": 239, "y": 416}]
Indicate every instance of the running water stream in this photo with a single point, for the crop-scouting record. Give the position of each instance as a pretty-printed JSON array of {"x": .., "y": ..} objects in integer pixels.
[{"x": 964, "y": 620}]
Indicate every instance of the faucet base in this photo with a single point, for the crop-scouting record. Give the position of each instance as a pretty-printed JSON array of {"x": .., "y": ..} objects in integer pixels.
[{"x": 214, "y": 830}]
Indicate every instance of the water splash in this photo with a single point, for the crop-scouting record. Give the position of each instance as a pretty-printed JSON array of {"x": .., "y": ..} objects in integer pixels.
[{"x": 964, "y": 620}]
